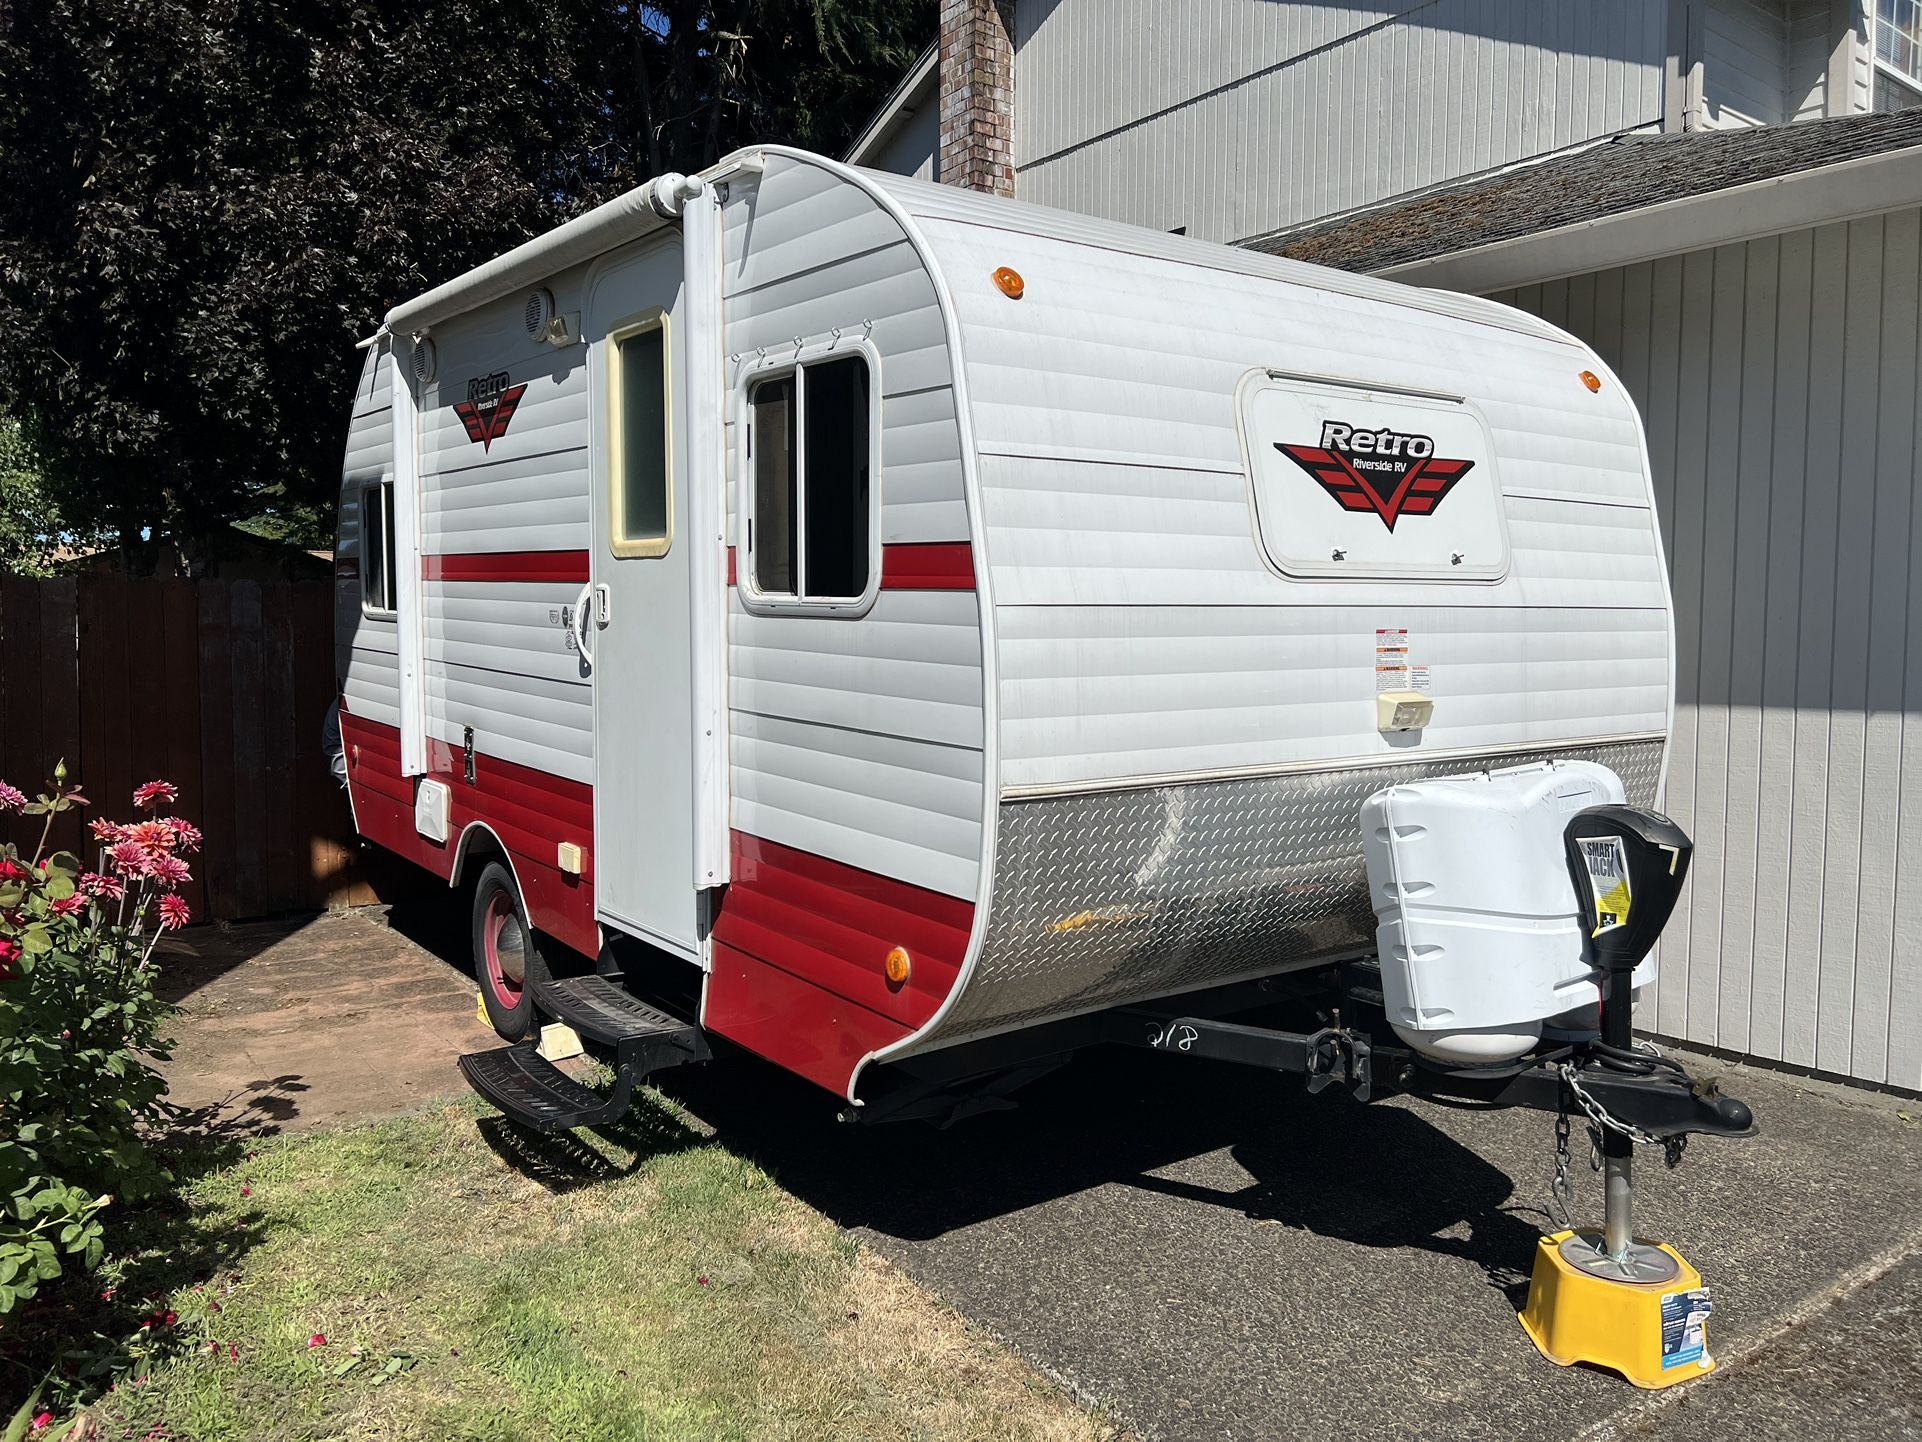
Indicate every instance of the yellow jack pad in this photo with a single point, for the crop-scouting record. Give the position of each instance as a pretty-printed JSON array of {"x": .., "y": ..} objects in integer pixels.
[{"x": 1654, "y": 1332}]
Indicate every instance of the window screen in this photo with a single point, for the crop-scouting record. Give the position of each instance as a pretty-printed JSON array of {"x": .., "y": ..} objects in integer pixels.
[
  {"x": 811, "y": 446},
  {"x": 642, "y": 511},
  {"x": 377, "y": 549}
]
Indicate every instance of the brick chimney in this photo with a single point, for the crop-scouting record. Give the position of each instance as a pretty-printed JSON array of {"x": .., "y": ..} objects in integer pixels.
[{"x": 976, "y": 74}]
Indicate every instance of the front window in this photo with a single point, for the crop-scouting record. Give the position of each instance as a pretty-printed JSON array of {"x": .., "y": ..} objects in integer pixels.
[
  {"x": 810, "y": 524},
  {"x": 1898, "y": 54}
]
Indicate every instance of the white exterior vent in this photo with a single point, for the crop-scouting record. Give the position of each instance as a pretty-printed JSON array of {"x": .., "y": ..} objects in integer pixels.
[
  {"x": 426, "y": 360},
  {"x": 540, "y": 312}
]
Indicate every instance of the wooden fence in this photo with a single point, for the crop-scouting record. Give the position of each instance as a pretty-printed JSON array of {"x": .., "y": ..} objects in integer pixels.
[{"x": 218, "y": 686}]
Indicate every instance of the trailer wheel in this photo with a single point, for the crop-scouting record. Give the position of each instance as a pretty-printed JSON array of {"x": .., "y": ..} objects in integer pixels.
[{"x": 507, "y": 958}]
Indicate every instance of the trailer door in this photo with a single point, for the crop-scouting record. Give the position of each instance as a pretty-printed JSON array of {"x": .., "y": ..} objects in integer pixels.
[{"x": 637, "y": 624}]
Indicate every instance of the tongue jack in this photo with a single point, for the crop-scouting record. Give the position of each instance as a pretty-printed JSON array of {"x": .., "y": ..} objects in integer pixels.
[{"x": 1608, "y": 1297}]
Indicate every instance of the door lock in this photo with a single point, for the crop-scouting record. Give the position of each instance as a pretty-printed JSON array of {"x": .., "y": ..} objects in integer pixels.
[{"x": 603, "y": 605}]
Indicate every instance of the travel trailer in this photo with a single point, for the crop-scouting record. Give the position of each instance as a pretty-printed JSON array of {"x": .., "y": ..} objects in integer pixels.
[{"x": 911, "y": 635}]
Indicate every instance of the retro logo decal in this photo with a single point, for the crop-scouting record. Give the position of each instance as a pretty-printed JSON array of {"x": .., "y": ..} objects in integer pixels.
[
  {"x": 489, "y": 408},
  {"x": 1392, "y": 473}
]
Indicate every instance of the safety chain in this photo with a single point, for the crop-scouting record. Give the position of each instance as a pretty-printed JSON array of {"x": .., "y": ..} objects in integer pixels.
[
  {"x": 1600, "y": 1120},
  {"x": 1559, "y": 1190}
]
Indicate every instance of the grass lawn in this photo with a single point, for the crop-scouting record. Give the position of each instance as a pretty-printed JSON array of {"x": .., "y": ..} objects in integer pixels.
[{"x": 475, "y": 1281}]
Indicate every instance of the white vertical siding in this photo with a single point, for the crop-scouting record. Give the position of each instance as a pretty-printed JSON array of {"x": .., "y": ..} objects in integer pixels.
[
  {"x": 1745, "y": 63},
  {"x": 857, "y": 738},
  {"x": 1779, "y": 381},
  {"x": 1235, "y": 118}
]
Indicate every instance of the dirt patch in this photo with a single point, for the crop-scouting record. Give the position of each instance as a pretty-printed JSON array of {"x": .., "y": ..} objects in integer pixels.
[{"x": 313, "y": 1021}]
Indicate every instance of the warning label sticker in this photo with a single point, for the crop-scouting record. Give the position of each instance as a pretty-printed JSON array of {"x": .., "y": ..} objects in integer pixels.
[
  {"x": 1392, "y": 672},
  {"x": 1606, "y": 860},
  {"x": 1685, "y": 1327}
]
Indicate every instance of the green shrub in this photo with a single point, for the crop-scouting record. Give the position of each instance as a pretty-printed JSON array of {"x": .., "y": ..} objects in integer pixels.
[{"x": 80, "y": 1023}]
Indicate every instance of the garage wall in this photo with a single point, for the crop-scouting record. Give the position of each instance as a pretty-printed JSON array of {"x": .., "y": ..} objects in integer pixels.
[{"x": 1778, "y": 380}]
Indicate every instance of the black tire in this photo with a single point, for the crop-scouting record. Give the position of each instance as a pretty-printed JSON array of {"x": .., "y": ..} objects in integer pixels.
[{"x": 504, "y": 943}]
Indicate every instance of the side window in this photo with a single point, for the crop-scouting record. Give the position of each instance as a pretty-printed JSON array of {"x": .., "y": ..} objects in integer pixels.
[
  {"x": 377, "y": 549},
  {"x": 811, "y": 464},
  {"x": 641, "y": 503}
]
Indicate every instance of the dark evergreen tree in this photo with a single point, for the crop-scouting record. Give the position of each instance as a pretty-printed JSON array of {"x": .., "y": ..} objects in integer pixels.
[{"x": 204, "y": 204}]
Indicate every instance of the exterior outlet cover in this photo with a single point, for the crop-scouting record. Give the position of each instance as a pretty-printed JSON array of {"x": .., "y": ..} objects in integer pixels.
[
  {"x": 430, "y": 811},
  {"x": 568, "y": 857},
  {"x": 1403, "y": 711}
]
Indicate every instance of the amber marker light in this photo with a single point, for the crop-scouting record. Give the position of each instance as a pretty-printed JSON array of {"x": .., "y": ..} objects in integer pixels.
[
  {"x": 1010, "y": 281},
  {"x": 899, "y": 964},
  {"x": 1591, "y": 380}
]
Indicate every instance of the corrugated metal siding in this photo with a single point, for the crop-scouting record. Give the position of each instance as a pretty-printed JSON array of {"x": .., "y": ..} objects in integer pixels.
[
  {"x": 858, "y": 739},
  {"x": 1780, "y": 383},
  {"x": 1141, "y": 632},
  {"x": 367, "y": 649},
  {"x": 1234, "y": 118},
  {"x": 1745, "y": 56}
]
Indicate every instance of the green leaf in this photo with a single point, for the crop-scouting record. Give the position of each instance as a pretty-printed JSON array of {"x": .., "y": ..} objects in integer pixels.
[{"x": 66, "y": 861}]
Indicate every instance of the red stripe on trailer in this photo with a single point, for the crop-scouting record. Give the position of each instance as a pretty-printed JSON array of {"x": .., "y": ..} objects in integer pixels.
[
  {"x": 507, "y": 566},
  {"x": 801, "y": 946},
  {"x": 797, "y": 1025},
  {"x": 531, "y": 812},
  {"x": 928, "y": 566},
  {"x": 913, "y": 566}
]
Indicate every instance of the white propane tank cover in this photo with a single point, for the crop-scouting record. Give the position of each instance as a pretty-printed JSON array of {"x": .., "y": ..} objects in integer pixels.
[{"x": 1478, "y": 925}]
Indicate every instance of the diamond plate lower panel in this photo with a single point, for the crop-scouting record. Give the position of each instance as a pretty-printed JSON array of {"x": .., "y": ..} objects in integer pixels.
[{"x": 1109, "y": 897}]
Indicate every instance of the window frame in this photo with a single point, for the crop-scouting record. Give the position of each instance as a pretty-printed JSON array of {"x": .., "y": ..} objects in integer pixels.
[
  {"x": 765, "y": 368},
  {"x": 651, "y": 319},
  {"x": 1886, "y": 69},
  {"x": 383, "y": 487}
]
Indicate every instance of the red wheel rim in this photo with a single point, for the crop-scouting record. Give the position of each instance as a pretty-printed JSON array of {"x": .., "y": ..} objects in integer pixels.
[{"x": 503, "y": 949}]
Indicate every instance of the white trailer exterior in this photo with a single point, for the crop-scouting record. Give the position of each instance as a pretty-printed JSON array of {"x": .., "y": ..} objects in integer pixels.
[{"x": 1097, "y": 722}]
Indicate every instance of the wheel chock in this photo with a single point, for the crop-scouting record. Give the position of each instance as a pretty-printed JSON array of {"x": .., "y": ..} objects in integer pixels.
[{"x": 1642, "y": 1313}]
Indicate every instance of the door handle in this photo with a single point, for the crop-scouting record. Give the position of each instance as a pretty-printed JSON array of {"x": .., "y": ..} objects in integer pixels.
[{"x": 583, "y": 611}]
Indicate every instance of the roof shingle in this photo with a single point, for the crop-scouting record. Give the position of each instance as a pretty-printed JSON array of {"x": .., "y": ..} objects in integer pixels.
[{"x": 1622, "y": 174}]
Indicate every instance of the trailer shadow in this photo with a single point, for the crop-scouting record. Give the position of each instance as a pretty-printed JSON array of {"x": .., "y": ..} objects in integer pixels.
[{"x": 1325, "y": 1164}]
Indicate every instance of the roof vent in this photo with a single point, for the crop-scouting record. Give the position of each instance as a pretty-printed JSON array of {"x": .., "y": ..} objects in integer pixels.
[
  {"x": 540, "y": 312},
  {"x": 426, "y": 360}
]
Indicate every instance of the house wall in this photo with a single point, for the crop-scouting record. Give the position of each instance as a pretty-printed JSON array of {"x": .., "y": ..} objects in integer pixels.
[
  {"x": 913, "y": 147},
  {"x": 1233, "y": 119},
  {"x": 1779, "y": 383},
  {"x": 1745, "y": 63}
]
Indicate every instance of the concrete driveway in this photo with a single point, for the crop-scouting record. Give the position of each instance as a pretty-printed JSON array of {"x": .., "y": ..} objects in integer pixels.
[{"x": 1209, "y": 1252}]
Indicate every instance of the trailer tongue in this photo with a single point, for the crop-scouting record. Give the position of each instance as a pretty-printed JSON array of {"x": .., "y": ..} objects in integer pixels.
[{"x": 1441, "y": 855}]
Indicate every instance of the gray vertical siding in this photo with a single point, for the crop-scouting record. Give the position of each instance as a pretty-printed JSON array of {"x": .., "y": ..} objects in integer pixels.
[
  {"x": 1745, "y": 63},
  {"x": 1779, "y": 384},
  {"x": 1233, "y": 119}
]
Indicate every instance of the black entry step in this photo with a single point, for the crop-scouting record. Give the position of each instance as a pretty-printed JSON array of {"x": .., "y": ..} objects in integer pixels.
[
  {"x": 536, "y": 1093},
  {"x": 602, "y": 1011}
]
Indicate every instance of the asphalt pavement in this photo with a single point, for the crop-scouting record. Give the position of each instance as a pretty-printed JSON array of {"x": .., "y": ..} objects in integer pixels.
[{"x": 1210, "y": 1252}]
